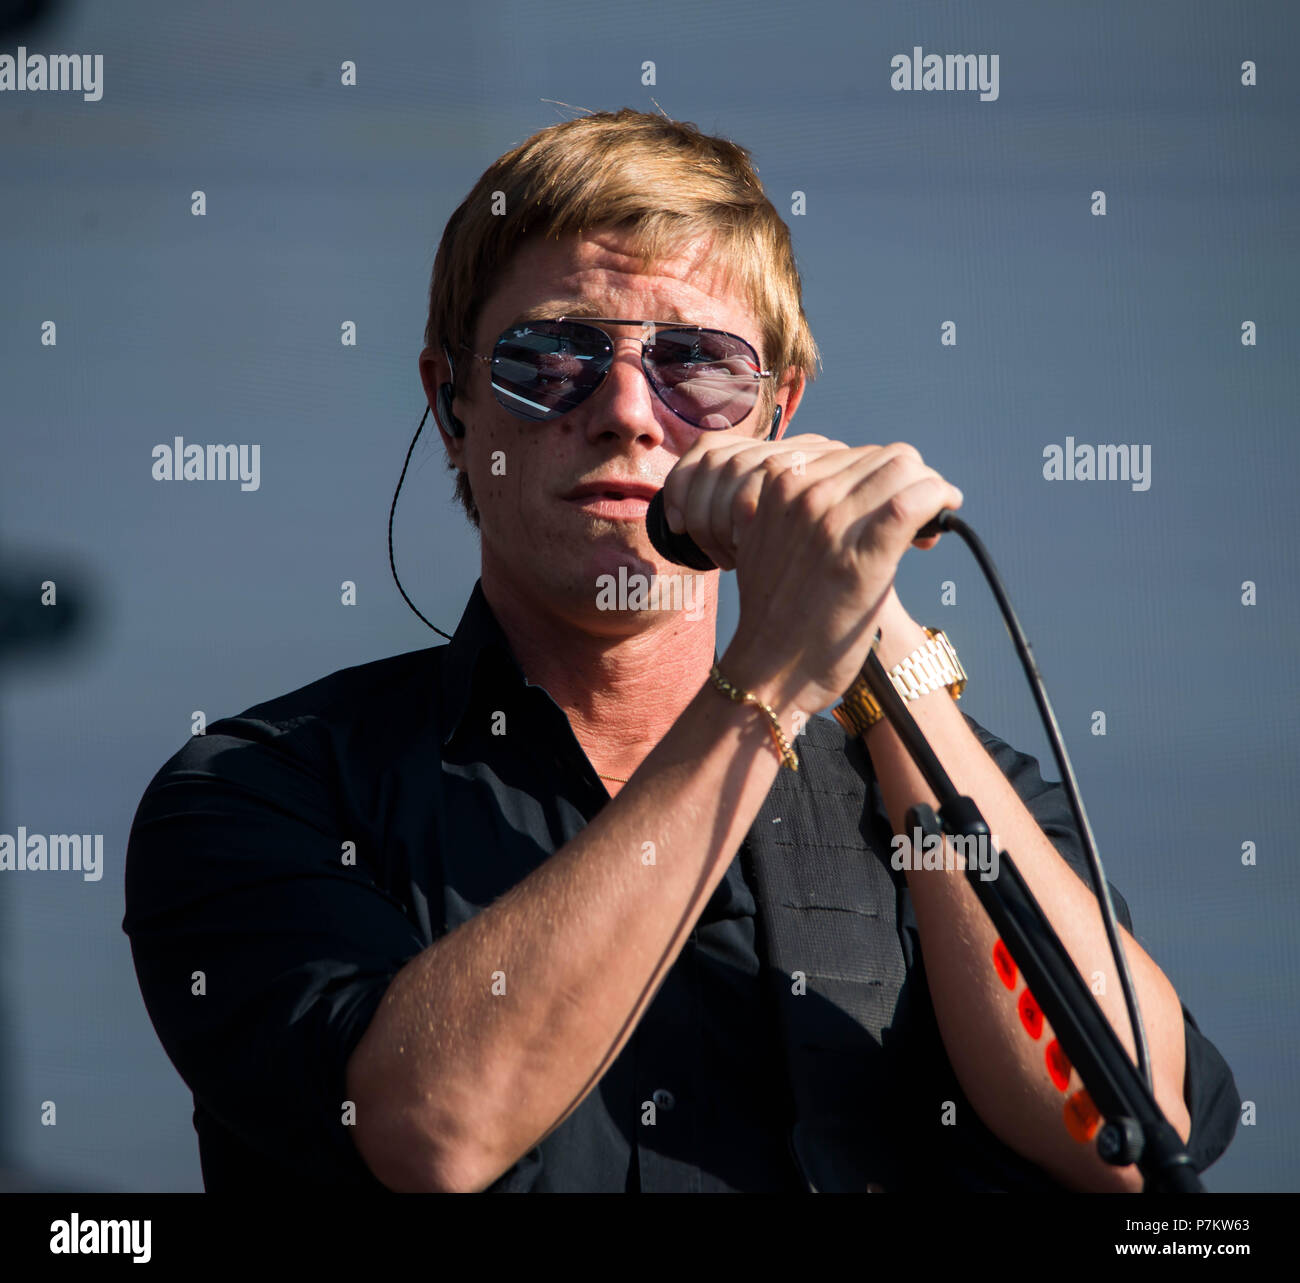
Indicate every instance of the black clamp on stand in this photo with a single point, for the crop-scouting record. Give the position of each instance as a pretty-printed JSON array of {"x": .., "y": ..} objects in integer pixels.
[{"x": 1135, "y": 1128}]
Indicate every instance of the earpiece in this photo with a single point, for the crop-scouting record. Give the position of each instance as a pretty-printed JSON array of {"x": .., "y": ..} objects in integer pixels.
[
  {"x": 776, "y": 423},
  {"x": 447, "y": 421}
]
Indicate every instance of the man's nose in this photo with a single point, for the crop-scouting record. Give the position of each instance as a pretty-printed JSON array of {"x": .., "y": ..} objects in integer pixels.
[{"x": 625, "y": 403}]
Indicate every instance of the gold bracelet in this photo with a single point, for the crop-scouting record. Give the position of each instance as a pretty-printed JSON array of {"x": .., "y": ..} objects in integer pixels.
[{"x": 738, "y": 696}]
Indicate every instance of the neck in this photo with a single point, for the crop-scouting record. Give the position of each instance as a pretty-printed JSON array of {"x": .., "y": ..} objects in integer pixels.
[{"x": 620, "y": 691}]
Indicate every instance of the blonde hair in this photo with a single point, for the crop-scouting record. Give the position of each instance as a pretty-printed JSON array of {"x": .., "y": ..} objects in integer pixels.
[{"x": 662, "y": 182}]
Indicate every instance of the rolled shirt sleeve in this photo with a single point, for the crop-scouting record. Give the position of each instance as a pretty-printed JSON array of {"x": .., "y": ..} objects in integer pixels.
[{"x": 261, "y": 954}]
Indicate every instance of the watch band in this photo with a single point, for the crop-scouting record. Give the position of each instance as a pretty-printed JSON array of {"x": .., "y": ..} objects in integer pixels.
[{"x": 931, "y": 667}]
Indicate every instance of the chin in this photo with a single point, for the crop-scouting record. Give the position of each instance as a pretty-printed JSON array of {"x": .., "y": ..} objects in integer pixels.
[
  {"x": 564, "y": 566},
  {"x": 608, "y": 559}
]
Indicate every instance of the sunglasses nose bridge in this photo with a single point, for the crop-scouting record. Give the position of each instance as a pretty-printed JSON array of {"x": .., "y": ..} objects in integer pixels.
[{"x": 641, "y": 363}]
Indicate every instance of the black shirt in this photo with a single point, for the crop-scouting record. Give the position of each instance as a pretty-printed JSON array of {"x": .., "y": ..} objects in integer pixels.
[{"x": 284, "y": 867}]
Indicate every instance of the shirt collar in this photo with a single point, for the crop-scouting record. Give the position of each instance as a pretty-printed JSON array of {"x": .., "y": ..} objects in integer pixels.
[{"x": 478, "y": 636}]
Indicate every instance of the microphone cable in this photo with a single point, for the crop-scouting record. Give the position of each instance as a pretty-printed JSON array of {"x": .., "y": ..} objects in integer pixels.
[
  {"x": 948, "y": 520},
  {"x": 392, "y": 565}
]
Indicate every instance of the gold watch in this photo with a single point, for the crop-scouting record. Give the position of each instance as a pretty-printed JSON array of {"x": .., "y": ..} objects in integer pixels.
[{"x": 931, "y": 667}]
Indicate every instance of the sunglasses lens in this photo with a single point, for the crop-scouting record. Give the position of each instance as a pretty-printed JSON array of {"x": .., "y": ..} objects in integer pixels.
[
  {"x": 544, "y": 369},
  {"x": 705, "y": 376}
]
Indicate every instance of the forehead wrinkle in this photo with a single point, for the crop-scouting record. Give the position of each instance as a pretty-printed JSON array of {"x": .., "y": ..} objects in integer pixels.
[
  {"x": 672, "y": 276},
  {"x": 580, "y": 308},
  {"x": 658, "y": 310}
]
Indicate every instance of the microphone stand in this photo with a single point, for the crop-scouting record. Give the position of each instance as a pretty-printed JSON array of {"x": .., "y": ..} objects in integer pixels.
[{"x": 1135, "y": 1130}]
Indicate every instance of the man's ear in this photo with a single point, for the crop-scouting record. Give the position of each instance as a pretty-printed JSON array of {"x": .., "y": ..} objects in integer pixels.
[{"x": 788, "y": 396}]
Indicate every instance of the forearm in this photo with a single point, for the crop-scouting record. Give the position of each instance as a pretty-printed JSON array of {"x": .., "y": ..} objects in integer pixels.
[
  {"x": 1000, "y": 1067},
  {"x": 457, "y": 1076}
]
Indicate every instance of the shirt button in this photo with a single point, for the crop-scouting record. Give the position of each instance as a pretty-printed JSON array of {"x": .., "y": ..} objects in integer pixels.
[{"x": 664, "y": 1099}]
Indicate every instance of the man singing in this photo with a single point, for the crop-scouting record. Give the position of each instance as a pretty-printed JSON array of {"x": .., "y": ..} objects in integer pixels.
[{"x": 575, "y": 903}]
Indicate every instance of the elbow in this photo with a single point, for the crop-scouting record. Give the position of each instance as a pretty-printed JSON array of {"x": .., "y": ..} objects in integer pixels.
[
  {"x": 439, "y": 1171},
  {"x": 394, "y": 1151},
  {"x": 414, "y": 1140},
  {"x": 405, "y": 1159},
  {"x": 452, "y": 1177},
  {"x": 394, "y": 1139},
  {"x": 408, "y": 1156},
  {"x": 1127, "y": 1180}
]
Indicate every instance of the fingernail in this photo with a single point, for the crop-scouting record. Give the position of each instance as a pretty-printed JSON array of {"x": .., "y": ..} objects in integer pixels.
[{"x": 674, "y": 518}]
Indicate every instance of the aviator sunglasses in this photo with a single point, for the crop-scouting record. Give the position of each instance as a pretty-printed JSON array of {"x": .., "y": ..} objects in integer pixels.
[{"x": 542, "y": 369}]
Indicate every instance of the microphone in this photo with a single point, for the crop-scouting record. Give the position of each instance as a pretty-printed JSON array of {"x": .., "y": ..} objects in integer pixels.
[{"x": 682, "y": 550}]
